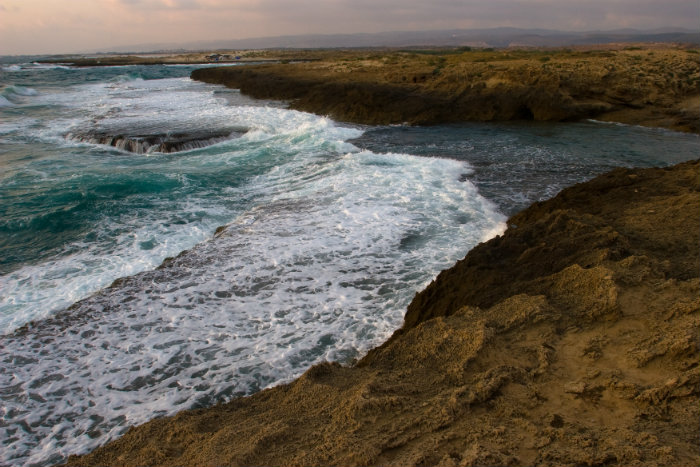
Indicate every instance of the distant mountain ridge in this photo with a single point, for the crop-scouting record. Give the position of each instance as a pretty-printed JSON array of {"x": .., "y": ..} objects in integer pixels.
[{"x": 495, "y": 37}]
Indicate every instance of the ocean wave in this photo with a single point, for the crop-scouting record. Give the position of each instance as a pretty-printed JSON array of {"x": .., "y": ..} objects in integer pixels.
[
  {"x": 22, "y": 90},
  {"x": 5, "y": 102},
  {"x": 125, "y": 78},
  {"x": 639, "y": 127},
  {"x": 47, "y": 66},
  {"x": 14, "y": 94},
  {"x": 34, "y": 66}
]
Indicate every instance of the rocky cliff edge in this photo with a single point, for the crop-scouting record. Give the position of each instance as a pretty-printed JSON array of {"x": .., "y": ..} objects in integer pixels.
[{"x": 649, "y": 85}]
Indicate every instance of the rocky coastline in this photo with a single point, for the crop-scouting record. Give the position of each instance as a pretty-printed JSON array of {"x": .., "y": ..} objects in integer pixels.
[
  {"x": 572, "y": 339},
  {"x": 644, "y": 85}
]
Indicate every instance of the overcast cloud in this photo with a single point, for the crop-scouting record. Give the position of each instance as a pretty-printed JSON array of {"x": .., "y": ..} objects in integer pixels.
[{"x": 64, "y": 26}]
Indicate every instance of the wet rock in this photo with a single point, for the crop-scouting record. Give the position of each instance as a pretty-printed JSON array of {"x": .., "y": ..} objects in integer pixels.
[{"x": 150, "y": 143}]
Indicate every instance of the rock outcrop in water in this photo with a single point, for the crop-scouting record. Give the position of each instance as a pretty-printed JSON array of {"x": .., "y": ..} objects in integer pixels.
[
  {"x": 572, "y": 339},
  {"x": 150, "y": 143},
  {"x": 653, "y": 86}
]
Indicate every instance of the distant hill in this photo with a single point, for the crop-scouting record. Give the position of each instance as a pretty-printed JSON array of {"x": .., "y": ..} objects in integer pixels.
[{"x": 497, "y": 37}]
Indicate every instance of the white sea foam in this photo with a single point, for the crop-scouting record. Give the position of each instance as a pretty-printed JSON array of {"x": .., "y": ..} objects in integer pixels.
[
  {"x": 45, "y": 66},
  {"x": 17, "y": 67},
  {"x": 5, "y": 102},
  {"x": 322, "y": 269},
  {"x": 319, "y": 264},
  {"x": 12, "y": 95},
  {"x": 20, "y": 91},
  {"x": 151, "y": 106},
  {"x": 35, "y": 291}
]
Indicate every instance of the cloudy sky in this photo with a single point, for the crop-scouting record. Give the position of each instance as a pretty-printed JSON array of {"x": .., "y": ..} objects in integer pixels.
[{"x": 65, "y": 26}]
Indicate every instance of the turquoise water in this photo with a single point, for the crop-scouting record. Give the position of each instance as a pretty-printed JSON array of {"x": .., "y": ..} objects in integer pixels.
[{"x": 330, "y": 231}]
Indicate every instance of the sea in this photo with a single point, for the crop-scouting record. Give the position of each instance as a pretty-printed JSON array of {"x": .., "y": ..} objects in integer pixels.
[{"x": 167, "y": 244}]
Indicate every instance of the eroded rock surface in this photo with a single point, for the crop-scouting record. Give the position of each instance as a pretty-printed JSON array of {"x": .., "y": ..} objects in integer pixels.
[
  {"x": 652, "y": 86},
  {"x": 158, "y": 142}
]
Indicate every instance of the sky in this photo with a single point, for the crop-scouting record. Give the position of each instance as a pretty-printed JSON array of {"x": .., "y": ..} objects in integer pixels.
[{"x": 71, "y": 26}]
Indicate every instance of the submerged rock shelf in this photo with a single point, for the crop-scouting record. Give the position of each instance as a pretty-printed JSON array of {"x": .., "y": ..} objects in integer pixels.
[{"x": 571, "y": 339}]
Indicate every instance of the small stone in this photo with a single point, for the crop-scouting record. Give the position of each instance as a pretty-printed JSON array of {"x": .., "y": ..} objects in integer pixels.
[
  {"x": 575, "y": 388},
  {"x": 556, "y": 421}
]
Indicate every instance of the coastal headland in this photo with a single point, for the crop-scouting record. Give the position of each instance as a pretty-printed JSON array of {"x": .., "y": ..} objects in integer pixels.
[
  {"x": 571, "y": 339},
  {"x": 650, "y": 85}
]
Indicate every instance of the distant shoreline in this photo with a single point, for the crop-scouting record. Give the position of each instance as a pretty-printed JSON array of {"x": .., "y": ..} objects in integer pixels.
[
  {"x": 138, "y": 60},
  {"x": 185, "y": 58},
  {"x": 497, "y": 37}
]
